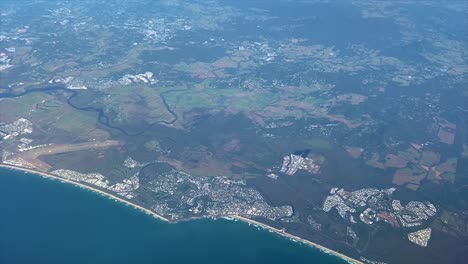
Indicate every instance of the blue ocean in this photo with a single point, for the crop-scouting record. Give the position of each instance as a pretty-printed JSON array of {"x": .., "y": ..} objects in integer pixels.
[{"x": 46, "y": 221}]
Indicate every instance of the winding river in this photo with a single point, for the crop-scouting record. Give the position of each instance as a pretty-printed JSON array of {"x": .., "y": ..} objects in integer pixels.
[{"x": 103, "y": 119}]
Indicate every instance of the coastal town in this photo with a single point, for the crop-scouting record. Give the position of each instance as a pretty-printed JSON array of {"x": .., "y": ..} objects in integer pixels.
[
  {"x": 125, "y": 188},
  {"x": 182, "y": 196},
  {"x": 213, "y": 197},
  {"x": 221, "y": 196},
  {"x": 354, "y": 143},
  {"x": 186, "y": 196},
  {"x": 373, "y": 205}
]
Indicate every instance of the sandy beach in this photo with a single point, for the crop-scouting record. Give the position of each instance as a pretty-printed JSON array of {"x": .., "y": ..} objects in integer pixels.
[
  {"x": 138, "y": 207},
  {"x": 310, "y": 243},
  {"x": 109, "y": 195}
]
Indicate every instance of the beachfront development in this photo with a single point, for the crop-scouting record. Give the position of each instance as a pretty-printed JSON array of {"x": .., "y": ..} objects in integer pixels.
[
  {"x": 341, "y": 124},
  {"x": 73, "y": 178}
]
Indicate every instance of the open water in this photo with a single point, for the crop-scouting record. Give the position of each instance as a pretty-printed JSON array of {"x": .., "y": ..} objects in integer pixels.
[{"x": 46, "y": 221}]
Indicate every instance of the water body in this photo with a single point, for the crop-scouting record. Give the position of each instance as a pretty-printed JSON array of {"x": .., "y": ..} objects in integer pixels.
[
  {"x": 103, "y": 119},
  {"x": 46, "y": 221}
]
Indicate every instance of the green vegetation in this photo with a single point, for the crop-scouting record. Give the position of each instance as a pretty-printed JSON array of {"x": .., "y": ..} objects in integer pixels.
[
  {"x": 209, "y": 97},
  {"x": 318, "y": 143},
  {"x": 430, "y": 158},
  {"x": 76, "y": 122},
  {"x": 14, "y": 108},
  {"x": 154, "y": 146},
  {"x": 411, "y": 155}
]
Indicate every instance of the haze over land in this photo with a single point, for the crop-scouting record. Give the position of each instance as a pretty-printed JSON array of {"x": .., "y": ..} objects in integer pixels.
[{"x": 342, "y": 122}]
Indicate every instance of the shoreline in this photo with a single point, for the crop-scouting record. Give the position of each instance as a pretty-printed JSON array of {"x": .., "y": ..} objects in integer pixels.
[
  {"x": 302, "y": 240},
  {"x": 89, "y": 188},
  {"x": 160, "y": 217}
]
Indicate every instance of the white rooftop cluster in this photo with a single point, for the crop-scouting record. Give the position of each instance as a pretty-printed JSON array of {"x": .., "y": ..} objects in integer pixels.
[
  {"x": 18, "y": 127},
  {"x": 336, "y": 201},
  {"x": 124, "y": 188},
  {"x": 420, "y": 237},
  {"x": 214, "y": 196},
  {"x": 374, "y": 206},
  {"x": 71, "y": 83},
  {"x": 146, "y": 77},
  {"x": 131, "y": 163},
  {"x": 292, "y": 163},
  {"x": 414, "y": 213},
  {"x": 4, "y": 61}
]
